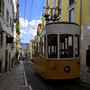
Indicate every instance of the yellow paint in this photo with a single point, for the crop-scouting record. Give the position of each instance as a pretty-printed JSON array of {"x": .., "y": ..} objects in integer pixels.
[
  {"x": 84, "y": 12},
  {"x": 64, "y": 10},
  {"x": 44, "y": 68},
  {"x": 77, "y": 11}
]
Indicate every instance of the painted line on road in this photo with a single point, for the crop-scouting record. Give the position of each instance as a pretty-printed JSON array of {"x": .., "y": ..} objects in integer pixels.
[
  {"x": 26, "y": 81},
  {"x": 30, "y": 62}
]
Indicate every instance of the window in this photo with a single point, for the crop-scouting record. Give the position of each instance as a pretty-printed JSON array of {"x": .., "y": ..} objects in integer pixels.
[
  {"x": 51, "y": 13},
  {"x": 7, "y": 16},
  {"x": 52, "y": 46},
  {"x": 38, "y": 49},
  {"x": 10, "y": 22},
  {"x": 71, "y": 1},
  {"x": 59, "y": 6},
  {"x": 12, "y": 27},
  {"x": 1, "y": 38},
  {"x": 43, "y": 45},
  {"x": 72, "y": 15},
  {"x": 66, "y": 46},
  {"x": 46, "y": 2},
  {"x": 76, "y": 45},
  {"x": 2, "y": 8}
]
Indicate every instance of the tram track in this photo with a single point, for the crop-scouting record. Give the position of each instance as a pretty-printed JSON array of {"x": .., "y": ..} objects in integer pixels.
[
  {"x": 38, "y": 83},
  {"x": 35, "y": 78}
]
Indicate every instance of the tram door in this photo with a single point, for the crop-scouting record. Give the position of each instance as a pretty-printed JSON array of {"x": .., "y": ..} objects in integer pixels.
[{"x": 6, "y": 60}]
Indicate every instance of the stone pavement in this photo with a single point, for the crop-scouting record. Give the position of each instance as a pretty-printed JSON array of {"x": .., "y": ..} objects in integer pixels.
[
  {"x": 85, "y": 77},
  {"x": 15, "y": 79}
]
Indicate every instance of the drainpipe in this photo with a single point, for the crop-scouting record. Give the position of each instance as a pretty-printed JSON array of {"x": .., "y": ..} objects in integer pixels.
[
  {"x": 80, "y": 15},
  {"x": 80, "y": 19}
]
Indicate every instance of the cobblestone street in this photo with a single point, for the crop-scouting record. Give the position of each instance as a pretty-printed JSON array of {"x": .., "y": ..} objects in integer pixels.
[
  {"x": 18, "y": 79},
  {"x": 38, "y": 83}
]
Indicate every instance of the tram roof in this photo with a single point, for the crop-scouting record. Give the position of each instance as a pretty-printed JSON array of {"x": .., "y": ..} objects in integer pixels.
[
  {"x": 61, "y": 28},
  {"x": 62, "y": 23}
]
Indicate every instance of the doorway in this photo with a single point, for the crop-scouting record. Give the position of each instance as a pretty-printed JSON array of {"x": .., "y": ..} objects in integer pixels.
[
  {"x": 6, "y": 60},
  {"x": 0, "y": 66},
  {"x": 9, "y": 61}
]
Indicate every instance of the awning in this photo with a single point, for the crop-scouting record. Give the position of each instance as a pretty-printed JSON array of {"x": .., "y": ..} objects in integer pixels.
[{"x": 3, "y": 21}]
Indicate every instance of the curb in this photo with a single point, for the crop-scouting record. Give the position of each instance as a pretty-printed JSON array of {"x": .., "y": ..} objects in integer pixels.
[{"x": 84, "y": 81}]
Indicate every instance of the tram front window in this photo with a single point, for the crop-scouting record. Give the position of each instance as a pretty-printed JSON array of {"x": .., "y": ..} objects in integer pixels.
[
  {"x": 52, "y": 46},
  {"x": 66, "y": 46}
]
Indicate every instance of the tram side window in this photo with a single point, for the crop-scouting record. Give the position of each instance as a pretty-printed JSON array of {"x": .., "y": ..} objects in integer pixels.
[
  {"x": 76, "y": 45},
  {"x": 43, "y": 45},
  {"x": 38, "y": 49},
  {"x": 35, "y": 51},
  {"x": 52, "y": 46},
  {"x": 66, "y": 46}
]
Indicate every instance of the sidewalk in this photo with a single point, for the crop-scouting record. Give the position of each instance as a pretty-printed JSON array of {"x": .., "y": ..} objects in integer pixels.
[
  {"x": 85, "y": 77},
  {"x": 14, "y": 80}
]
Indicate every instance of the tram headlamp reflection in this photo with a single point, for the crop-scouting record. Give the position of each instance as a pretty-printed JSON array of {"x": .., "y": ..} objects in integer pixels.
[{"x": 53, "y": 66}]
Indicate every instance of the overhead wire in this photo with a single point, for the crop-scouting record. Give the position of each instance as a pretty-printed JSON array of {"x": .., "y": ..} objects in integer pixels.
[
  {"x": 31, "y": 9},
  {"x": 24, "y": 19},
  {"x": 25, "y": 10},
  {"x": 30, "y": 12},
  {"x": 40, "y": 8}
]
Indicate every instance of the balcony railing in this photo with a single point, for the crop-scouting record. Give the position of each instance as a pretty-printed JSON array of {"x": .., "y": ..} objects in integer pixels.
[{"x": 52, "y": 14}]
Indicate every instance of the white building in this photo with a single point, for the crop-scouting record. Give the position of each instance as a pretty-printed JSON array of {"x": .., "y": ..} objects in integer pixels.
[{"x": 7, "y": 34}]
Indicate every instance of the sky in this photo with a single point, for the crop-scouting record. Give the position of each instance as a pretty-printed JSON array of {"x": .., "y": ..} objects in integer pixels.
[{"x": 29, "y": 18}]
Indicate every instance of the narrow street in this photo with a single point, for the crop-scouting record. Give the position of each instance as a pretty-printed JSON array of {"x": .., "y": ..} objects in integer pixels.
[{"x": 38, "y": 83}]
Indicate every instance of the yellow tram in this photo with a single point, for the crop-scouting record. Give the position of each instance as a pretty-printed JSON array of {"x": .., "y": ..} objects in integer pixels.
[{"x": 57, "y": 51}]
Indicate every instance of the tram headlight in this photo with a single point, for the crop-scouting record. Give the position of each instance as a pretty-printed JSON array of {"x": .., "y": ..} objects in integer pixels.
[
  {"x": 67, "y": 69},
  {"x": 53, "y": 66}
]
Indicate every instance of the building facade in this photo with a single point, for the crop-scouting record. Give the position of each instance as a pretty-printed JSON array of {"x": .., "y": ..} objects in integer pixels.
[
  {"x": 18, "y": 46},
  {"x": 77, "y": 11},
  {"x": 7, "y": 34},
  {"x": 33, "y": 42}
]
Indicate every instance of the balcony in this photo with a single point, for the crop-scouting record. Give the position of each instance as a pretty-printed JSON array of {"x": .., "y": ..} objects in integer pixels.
[{"x": 54, "y": 16}]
